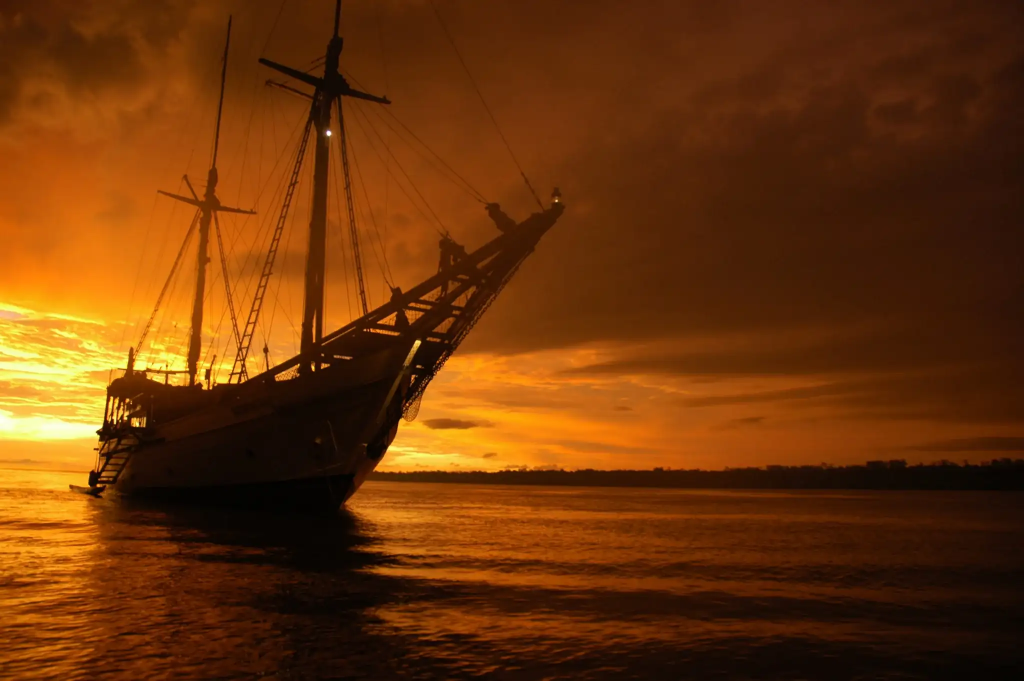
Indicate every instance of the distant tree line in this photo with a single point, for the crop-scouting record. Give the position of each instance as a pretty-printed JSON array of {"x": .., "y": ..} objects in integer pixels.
[{"x": 999, "y": 474}]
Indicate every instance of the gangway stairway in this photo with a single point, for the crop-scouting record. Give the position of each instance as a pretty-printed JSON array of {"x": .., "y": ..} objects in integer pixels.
[{"x": 114, "y": 462}]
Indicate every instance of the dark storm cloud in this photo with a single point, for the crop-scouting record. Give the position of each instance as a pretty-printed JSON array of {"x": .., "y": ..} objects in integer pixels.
[
  {"x": 745, "y": 422},
  {"x": 785, "y": 196},
  {"x": 871, "y": 350},
  {"x": 90, "y": 48},
  {"x": 604, "y": 447},
  {"x": 864, "y": 175},
  {"x": 984, "y": 394},
  {"x": 804, "y": 393},
  {"x": 454, "y": 424},
  {"x": 977, "y": 391},
  {"x": 797, "y": 218},
  {"x": 975, "y": 444},
  {"x": 523, "y": 397},
  {"x": 933, "y": 357},
  {"x": 120, "y": 208}
]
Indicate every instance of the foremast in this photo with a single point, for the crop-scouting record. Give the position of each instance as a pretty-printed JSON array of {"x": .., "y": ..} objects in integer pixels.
[
  {"x": 208, "y": 207},
  {"x": 328, "y": 91}
]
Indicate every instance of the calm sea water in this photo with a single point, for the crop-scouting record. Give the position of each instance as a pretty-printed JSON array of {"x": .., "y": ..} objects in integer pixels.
[{"x": 452, "y": 581}]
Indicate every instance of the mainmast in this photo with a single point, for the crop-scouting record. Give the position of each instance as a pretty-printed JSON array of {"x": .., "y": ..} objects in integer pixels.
[
  {"x": 208, "y": 206},
  {"x": 329, "y": 89}
]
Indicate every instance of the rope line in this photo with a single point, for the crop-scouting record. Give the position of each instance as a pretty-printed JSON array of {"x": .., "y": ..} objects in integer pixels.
[
  {"x": 349, "y": 297},
  {"x": 484, "y": 102},
  {"x": 359, "y": 112},
  {"x": 138, "y": 274},
  {"x": 455, "y": 177},
  {"x": 169, "y": 282},
  {"x": 273, "y": 27},
  {"x": 476, "y": 193},
  {"x": 385, "y": 268},
  {"x": 401, "y": 187},
  {"x": 405, "y": 193},
  {"x": 387, "y": 88}
]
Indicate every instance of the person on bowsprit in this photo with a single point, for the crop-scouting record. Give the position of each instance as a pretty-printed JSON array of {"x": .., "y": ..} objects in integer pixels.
[
  {"x": 451, "y": 252},
  {"x": 401, "y": 319},
  {"x": 501, "y": 219}
]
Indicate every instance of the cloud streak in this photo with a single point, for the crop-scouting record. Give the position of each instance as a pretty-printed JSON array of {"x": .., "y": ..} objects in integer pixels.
[
  {"x": 974, "y": 444},
  {"x": 454, "y": 424},
  {"x": 52, "y": 371}
]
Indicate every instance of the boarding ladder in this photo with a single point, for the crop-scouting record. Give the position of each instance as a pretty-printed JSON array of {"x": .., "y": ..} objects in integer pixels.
[
  {"x": 239, "y": 372},
  {"x": 113, "y": 462}
]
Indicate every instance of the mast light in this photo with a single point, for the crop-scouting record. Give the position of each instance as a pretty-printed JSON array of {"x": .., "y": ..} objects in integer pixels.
[{"x": 328, "y": 133}]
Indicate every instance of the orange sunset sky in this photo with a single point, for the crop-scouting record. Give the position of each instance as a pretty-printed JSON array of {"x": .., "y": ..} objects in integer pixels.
[{"x": 793, "y": 229}]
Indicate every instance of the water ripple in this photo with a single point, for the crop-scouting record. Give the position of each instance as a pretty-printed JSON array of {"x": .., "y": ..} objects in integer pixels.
[{"x": 436, "y": 581}]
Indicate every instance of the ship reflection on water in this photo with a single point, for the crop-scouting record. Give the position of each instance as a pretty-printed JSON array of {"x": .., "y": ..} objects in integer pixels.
[{"x": 455, "y": 581}]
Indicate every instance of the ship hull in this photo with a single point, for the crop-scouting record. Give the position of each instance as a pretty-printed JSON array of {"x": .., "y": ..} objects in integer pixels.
[
  {"x": 305, "y": 444},
  {"x": 308, "y": 431}
]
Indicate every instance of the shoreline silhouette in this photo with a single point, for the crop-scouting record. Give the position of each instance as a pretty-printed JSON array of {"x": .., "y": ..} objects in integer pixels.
[{"x": 998, "y": 474}]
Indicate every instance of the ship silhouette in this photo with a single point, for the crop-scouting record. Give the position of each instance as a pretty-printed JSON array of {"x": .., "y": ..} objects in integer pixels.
[{"x": 303, "y": 434}]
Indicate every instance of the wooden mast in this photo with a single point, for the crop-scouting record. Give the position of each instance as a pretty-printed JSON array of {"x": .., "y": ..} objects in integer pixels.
[
  {"x": 316, "y": 263},
  {"x": 328, "y": 88},
  {"x": 195, "y": 340},
  {"x": 207, "y": 206}
]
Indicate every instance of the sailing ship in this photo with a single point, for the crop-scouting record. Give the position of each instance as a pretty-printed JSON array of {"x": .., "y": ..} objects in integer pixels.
[{"x": 306, "y": 432}]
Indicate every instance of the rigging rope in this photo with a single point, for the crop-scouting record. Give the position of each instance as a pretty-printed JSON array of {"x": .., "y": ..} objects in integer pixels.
[
  {"x": 385, "y": 268},
  {"x": 484, "y": 102},
  {"x": 255, "y": 247},
  {"x": 273, "y": 27},
  {"x": 245, "y": 340},
  {"x": 405, "y": 193},
  {"x": 412, "y": 184},
  {"x": 465, "y": 186},
  {"x": 387, "y": 88},
  {"x": 456, "y": 180},
  {"x": 332, "y": 159},
  {"x": 350, "y": 202},
  {"x": 170, "y": 278},
  {"x": 477, "y": 194},
  {"x": 169, "y": 314},
  {"x": 268, "y": 328},
  {"x": 269, "y": 216},
  {"x": 264, "y": 232},
  {"x": 151, "y": 287},
  {"x": 178, "y": 142},
  {"x": 227, "y": 281},
  {"x": 138, "y": 274}
]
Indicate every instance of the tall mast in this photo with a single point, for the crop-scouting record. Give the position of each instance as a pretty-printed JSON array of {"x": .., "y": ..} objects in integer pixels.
[
  {"x": 208, "y": 206},
  {"x": 328, "y": 88},
  {"x": 195, "y": 339}
]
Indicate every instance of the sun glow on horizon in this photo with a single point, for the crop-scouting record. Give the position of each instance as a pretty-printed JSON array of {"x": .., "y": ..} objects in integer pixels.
[
  {"x": 53, "y": 369},
  {"x": 486, "y": 411},
  {"x": 42, "y": 428}
]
